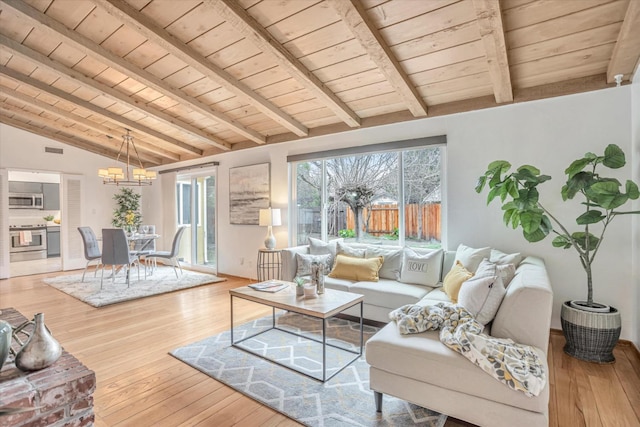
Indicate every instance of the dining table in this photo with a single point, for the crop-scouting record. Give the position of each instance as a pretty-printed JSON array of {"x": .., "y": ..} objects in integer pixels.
[{"x": 144, "y": 240}]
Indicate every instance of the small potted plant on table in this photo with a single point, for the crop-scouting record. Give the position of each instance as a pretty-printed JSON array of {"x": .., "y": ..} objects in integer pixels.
[
  {"x": 299, "y": 281},
  {"x": 591, "y": 329}
]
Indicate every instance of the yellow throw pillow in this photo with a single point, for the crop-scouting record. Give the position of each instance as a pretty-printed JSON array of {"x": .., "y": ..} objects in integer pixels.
[
  {"x": 358, "y": 269},
  {"x": 454, "y": 280}
]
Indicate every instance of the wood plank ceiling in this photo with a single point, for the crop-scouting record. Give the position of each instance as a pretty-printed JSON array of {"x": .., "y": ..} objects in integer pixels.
[{"x": 192, "y": 78}]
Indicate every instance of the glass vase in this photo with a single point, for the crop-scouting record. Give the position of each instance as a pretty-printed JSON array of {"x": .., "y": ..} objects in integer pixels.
[{"x": 317, "y": 276}]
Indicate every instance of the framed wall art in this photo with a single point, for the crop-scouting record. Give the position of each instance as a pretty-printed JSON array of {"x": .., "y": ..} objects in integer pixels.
[{"x": 249, "y": 191}]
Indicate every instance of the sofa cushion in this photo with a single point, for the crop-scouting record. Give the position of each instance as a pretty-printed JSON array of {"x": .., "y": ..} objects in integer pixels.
[
  {"x": 424, "y": 358},
  {"x": 392, "y": 261},
  {"x": 349, "y": 250},
  {"x": 338, "y": 284},
  {"x": 501, "y": 258},
  {"x": 471, "y": 257},
  {"x": 389, "y": 293},
  {"x": 351, "y": 268},
  {"x": 320, "y": 247},
  {"x": 454, "y": 280},
  {"x": 421, "y": 269},
  {"x": 304, "y": 262},
  {"x": 435, "y": 296},
  {"x": 525, "y": 312}
]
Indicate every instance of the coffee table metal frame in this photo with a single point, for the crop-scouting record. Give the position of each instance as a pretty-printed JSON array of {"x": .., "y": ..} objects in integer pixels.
[{"x": 296, "y": 309}]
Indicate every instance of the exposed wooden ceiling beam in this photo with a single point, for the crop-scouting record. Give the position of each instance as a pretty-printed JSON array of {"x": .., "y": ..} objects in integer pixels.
[
  {"x": 89, "y": 48},
  {"x": 234, "y": 14},
  {"x": 355, "y": 16},
  {"x": 626, "y": 54},
  {"x": 71, "y": 132},
  {"x": 114, "y": 95},
  {"x": 145, "y": 26},
  {"x": 492, "y": 33},
  {"x": 143, "y": 146},
  {"x": 568, "y": 87},
  {"x": 58, "y": 137},
  {"x": 124, "y": 122}
]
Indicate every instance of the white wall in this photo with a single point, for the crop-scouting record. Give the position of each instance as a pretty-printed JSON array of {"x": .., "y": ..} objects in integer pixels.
[
  {"x": 635, "y": 160},
  {"x": 548, "y": 133}
]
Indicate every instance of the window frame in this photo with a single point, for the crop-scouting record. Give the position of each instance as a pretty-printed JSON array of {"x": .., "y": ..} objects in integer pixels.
[{"x": 399, "y": 147}]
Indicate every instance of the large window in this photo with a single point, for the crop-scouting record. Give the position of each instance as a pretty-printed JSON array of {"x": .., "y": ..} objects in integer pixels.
[{"x": 391, "y": 197}]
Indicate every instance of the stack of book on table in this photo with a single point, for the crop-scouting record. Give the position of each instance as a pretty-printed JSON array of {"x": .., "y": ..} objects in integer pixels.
[{"x": 270, "y": 286}]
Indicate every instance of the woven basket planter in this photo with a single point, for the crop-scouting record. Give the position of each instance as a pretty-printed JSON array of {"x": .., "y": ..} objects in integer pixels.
[{"x": 590, "y": 336}]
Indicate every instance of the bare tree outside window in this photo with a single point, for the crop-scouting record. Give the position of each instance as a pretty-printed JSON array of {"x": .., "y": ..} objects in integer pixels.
[
  {"x": 363, "y": 203},
  {"x": 358, "y": 180}
]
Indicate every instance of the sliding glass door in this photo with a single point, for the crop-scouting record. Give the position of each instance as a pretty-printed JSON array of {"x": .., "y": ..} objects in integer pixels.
[{"x": 196, "y": 203}]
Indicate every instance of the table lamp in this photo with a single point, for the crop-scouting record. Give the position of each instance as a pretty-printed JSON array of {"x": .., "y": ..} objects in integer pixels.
[{"x": 268, "y": 218}]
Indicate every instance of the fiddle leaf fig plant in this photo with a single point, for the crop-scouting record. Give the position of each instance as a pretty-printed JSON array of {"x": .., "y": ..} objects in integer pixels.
[{"x": 600, "y": 196}]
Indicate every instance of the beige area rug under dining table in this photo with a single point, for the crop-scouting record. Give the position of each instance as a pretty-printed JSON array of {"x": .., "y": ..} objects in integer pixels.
[{"x": 163, "y": 280}]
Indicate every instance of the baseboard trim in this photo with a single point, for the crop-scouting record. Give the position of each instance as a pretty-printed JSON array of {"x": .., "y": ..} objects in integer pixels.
[{"x": 621, "y": 343}]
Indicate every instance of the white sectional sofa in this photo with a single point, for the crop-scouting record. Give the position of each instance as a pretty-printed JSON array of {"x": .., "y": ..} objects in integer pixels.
[{"x": 420, "y": 369}]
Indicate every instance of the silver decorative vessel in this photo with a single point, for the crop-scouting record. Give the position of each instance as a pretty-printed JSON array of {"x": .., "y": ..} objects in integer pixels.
[
  {"x": 40, "y": 350},
  {"x": 5, "y": 341}
]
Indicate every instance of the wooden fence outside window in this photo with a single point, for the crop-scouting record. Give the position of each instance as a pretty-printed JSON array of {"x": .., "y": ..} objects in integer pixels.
[{"x": 384, "y": 220}]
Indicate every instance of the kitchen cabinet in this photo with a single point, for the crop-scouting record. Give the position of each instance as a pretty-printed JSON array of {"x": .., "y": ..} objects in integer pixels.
[
  {"x": 25, "y": 187},
  {"x": 53, "y": 242},
  {"x": 51, "y": 194}
]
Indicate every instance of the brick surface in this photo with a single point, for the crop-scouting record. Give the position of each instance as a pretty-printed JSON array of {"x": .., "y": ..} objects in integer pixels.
[
  {"x": 17, "y": 419},
  {"x": 45, "y": 420},
  {"x": 80, "y": 421},
  {"x": 81, "y": 406},
  {"x": 60, "y": 394}
]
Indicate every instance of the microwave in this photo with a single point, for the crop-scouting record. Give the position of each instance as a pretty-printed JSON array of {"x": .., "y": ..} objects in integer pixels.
[{"x": 26, "y": 201}]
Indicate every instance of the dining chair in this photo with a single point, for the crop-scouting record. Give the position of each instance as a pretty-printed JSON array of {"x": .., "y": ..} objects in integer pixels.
[
  {"x": 115, "y": 252},
  {"x": 91, "y": 249},
  {"x": 173, "y": 253}
]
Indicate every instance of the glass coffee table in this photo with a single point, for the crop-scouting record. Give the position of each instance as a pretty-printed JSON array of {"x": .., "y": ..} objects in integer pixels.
[{"x": 323, "y": 307}]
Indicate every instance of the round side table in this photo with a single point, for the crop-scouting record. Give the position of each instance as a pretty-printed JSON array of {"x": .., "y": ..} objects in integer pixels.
[{"x": 269, "y": 263}]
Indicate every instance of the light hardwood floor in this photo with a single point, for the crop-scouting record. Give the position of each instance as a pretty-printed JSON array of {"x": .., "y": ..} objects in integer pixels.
[{"x": 140, "y": 384}]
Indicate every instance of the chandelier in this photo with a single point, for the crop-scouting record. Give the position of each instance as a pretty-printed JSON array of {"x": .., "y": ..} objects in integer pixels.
[{"x": 116, "y": 176}]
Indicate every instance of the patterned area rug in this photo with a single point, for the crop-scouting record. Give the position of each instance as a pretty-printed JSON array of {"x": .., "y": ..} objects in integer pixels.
[
  {"x": 344, "y": 400},
  {"x": 163, "y": 280}
]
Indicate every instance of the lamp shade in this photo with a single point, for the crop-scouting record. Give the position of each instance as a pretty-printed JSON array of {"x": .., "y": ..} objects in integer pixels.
[{"x": 270, "y": 217}]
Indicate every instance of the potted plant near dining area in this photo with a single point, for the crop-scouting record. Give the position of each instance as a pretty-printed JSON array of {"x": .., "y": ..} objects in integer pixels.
[
  {"x": 591, "y": 329},
  {"x": 126, "y": 214}
]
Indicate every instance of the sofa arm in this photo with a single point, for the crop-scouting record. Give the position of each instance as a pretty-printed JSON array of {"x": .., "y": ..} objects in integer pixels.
[
  {"x": 525, "y": 312},
  {"x": 289, "y": 263}
]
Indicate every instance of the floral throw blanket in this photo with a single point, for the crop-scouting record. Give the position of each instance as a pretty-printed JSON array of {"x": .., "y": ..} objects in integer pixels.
[{"x": 516, "y": 365}]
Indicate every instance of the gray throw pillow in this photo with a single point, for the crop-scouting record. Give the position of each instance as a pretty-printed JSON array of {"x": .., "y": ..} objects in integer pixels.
[
  {"x": 320, "y": 247},
  {"x": 482, "y": 294},
  {"x": 347, "y": 250},
  {"x": 392, "y": 261},
  {"x": 304, "y": 263}
]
